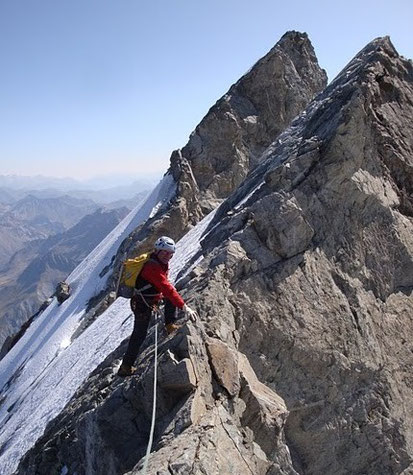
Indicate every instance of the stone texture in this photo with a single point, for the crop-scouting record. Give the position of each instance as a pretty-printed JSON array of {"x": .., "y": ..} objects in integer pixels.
[
  {"x": 199, "y": 429},
  {"x": 62, "y": 291},
  {"x": 328, "y": 324},
  {"x": 224, "y": 365},
  {"x": 177, "y": 375},
  {"x": 229, "y": 141}
]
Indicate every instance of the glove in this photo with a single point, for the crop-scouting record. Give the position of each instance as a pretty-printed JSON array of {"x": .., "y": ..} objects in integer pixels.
[{"x": 191, "y": 314}]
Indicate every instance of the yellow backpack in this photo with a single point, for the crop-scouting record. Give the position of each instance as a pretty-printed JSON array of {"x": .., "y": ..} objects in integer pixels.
[{"x": 130, "y": 272}]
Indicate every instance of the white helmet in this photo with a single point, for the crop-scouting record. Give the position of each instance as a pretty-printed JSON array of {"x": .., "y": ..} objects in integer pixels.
[{"x": 165, "y": 243}]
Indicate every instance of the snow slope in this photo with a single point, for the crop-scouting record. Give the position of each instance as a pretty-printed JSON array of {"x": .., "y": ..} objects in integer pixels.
[{"x": 42, "y": 372}]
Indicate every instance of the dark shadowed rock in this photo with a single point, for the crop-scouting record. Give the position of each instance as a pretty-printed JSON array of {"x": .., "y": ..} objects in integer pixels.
[{"x": 62, "y": 292}]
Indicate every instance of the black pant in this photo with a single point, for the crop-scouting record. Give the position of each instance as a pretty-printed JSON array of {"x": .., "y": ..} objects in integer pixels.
[{"x": 142, "y": 312}]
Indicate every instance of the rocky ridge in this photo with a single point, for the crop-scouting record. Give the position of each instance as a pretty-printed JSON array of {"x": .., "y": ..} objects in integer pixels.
[
  {"x": 229, "y": 141},
  {"x": 306, "y": 287},
  {"x": 315, "y": 255}
]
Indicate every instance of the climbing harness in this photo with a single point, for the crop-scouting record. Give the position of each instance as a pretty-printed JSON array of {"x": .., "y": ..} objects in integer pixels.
[
  {"x": 149, "y": 448},
  {"x": 140, "y": 293}
]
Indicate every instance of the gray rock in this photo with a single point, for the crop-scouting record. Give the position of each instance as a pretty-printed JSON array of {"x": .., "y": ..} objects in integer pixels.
[
  {"x": 62, "y": 292},
  {"x": 229, "y": 141},
  {"x": 325, "y": 318},
  {"x": 177, "y": 375},
  {"x": 224, "y": 363},
  {"x": 105, "y": 427}
]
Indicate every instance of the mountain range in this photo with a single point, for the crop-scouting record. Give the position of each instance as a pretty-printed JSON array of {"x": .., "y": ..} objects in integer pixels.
[
  {"x": 42, "y": 239},
  {"x": 34, "y": 271}
]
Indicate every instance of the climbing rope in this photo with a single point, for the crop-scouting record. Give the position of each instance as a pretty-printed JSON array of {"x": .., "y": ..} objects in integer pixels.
[{"x": 149, "y": 448}]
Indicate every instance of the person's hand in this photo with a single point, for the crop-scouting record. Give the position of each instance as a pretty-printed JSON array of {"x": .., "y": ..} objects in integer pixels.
[{"x": 190, "y": 313}]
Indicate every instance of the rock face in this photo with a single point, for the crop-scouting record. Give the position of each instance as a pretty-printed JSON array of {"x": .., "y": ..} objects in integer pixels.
[
  {"x": 301, "y": 360},
  {"x": 231, "y": 138},
  {"x": 62, "y": 292},
  {"x": 229, "y": 141},
  {"x": 311, "y": 266}
]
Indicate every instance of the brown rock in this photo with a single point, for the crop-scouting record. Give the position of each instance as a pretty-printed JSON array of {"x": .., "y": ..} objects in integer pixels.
[{"x": 224, "y": 364}]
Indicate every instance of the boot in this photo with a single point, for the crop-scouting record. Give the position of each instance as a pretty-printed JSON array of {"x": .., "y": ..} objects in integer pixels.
[
  {"x": 171, "y": 328},
  {"x": 126, "y": 370}
]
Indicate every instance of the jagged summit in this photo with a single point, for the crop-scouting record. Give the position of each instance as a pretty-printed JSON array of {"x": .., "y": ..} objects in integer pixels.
[
  {"x": 378, "y": 50},
  {"x": 299, "y": 47},
  {"x": 229, "y": 141},
  {"x": 317, "y": 248},
  {"x": 373, "y": 84}
]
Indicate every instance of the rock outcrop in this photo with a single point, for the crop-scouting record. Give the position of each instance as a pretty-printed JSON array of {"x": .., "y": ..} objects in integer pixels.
[
  {"x": 229, "y": 141},
  {"x": 201, "y": 417},
  {"x": 311, "y": 266},
  {"x": 301, "y": 360},
  {"x": 62, "y": 292},
  {"x": 231, "y": 138}
]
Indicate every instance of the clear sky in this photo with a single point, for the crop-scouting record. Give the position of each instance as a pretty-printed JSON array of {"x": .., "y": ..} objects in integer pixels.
[{"x": 93, "y": 87}]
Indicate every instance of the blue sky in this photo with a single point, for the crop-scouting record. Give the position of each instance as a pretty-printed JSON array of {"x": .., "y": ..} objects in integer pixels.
[{"x": 110, "y": 87}]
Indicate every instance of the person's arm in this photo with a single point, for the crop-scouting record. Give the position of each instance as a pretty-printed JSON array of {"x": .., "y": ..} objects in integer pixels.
[{"x": 153, "y": 273}]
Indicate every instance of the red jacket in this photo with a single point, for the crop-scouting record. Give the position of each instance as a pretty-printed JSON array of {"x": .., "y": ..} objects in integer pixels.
[{"x": 156, "y": 273}]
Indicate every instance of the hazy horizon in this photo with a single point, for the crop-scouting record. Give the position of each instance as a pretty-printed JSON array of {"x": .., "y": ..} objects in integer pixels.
[{"x": 40, "y": 181}]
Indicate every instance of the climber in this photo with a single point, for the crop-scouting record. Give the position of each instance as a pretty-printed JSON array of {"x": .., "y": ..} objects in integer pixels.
[{"x": 151, "y": 286}]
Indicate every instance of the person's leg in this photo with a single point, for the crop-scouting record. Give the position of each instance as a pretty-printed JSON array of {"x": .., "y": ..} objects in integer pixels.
[
  {"x": 170, "y": 312},
  {"x": 170, "y": 317},
  {"x": 142, "y": 317}
]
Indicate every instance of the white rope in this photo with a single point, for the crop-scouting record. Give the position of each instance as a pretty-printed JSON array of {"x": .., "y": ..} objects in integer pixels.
[{"x": 149, "y": 448}]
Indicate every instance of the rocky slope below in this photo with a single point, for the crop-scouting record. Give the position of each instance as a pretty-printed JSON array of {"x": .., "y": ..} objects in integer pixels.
[{"x": 301, "y": 360}]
